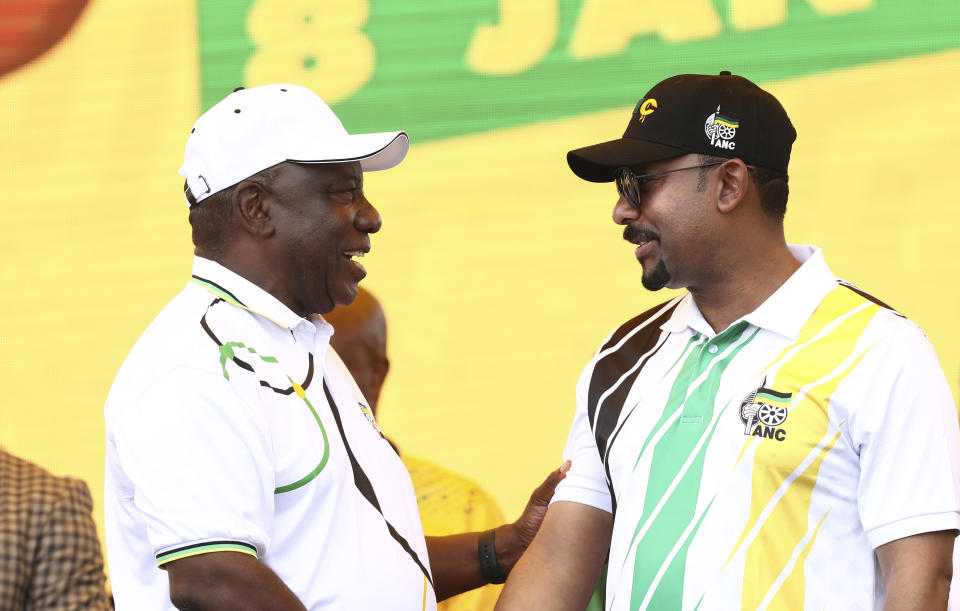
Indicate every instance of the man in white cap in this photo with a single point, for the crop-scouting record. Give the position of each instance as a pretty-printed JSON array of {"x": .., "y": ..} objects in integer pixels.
[{"x": 241, "y": 460}]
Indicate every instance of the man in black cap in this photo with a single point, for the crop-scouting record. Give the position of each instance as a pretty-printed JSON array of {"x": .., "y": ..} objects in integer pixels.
[{"x": 772, "y": 437}]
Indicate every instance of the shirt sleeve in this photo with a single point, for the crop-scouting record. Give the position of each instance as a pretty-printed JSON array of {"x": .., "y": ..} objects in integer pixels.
[
  {"x": 200, "y": 461},
  {"x": 586, "y": 481},
  {"x": 907, "y": 435}
]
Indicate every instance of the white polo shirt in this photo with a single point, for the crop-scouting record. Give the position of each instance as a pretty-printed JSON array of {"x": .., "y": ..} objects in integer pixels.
[
  {"x": 233, "y": 427},
  {"x": 760, "y": 467}
]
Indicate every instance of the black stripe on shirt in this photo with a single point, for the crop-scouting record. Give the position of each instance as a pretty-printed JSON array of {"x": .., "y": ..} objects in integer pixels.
[
  {"x": 245, "y": 365},
  {"x": 363, "y": 484},
  {"x": 774, "y": 393},
  {"x": 868, "y": 297},
  {"x": 610, "y": 367},
  {"x": 607, "y": 371},
  {"x": 177, "y": 550},
  {"x": 220, "y": 288}
]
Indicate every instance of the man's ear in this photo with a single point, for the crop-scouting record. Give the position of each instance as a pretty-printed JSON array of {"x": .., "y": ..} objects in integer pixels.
[
  {"x": 253, "y": 208},
  {"x": 734, "y": 184}
]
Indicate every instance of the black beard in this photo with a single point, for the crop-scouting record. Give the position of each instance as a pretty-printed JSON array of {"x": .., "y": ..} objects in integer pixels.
[{"x": 658, "y": 277}]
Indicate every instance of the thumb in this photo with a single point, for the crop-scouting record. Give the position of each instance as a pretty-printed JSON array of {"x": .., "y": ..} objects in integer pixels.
[{"x": 544, "y": 492}]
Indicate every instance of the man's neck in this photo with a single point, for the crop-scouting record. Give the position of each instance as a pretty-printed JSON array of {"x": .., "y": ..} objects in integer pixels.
[
  {"x": 743, "y": 287},
  {"x": 255, "y": 269}
]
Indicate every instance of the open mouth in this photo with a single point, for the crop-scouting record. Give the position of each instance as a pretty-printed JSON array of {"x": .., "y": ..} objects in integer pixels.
[
  {"x": 638, "y": 236},
  {"x": 645, "y": 241},
  {"x": 644, "y": 248},
  {"x": 353, "y": 256}
]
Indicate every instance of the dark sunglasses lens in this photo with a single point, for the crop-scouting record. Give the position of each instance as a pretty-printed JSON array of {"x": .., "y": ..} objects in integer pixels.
[{"x": 627, "y": 186}]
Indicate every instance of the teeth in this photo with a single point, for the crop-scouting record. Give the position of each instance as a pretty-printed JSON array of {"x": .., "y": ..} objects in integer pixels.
[{"x": 355, "y": 253}]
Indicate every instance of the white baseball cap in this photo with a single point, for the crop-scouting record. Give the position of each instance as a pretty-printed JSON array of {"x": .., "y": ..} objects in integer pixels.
[{"x": 253, "y": 129}]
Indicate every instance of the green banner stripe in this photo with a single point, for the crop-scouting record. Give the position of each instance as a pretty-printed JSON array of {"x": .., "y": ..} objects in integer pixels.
[
  {"x": 774, "y": 395},
  {"x": 422, "y": 81}
]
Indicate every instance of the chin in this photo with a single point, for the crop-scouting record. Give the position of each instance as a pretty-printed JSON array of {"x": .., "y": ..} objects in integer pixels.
[
  {"x": 346, "y": 296},
  {"x": 656, "y": 278}
]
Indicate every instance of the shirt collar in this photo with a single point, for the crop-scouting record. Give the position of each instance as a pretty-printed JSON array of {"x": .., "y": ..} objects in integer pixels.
[
  {"x": 687, "y": 315},
  {"x": 785, "y": 311},
  {"x": 236, "y": 289}
]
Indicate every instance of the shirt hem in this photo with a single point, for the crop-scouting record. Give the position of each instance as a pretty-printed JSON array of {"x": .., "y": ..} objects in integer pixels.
[
  {"x": 205, "y": 547},
  {"x": 599, "y": 501},
  {"x": 914, "y": 525}
]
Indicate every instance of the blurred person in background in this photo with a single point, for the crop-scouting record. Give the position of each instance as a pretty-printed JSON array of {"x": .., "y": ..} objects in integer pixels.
[{"x": 49, "y": 550}]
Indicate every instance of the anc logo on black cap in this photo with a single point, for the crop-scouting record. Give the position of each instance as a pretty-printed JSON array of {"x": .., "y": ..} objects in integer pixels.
[
  {"x": 644, "y": 108},
  {"x": 764, "y": 411},
  {"x": 721, "y": 130}
]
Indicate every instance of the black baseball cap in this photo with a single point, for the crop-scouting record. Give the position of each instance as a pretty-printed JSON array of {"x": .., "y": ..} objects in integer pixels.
[{"x": 724, "y": 115}]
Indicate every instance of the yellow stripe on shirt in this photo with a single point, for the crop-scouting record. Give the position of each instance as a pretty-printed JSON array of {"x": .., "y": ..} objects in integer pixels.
[{"x": 785, "y": 473}]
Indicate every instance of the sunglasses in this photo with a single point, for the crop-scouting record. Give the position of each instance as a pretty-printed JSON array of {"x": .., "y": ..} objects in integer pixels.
[{"x": 628, "y": 182}]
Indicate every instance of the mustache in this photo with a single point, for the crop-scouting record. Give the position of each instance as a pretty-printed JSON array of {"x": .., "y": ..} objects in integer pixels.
[{"x": 634, "y": 234}]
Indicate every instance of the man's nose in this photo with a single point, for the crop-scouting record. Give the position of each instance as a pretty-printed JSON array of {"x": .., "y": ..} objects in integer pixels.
[
  {"x": 624, "y": 211},
  {"x": 368, "y": 219}
]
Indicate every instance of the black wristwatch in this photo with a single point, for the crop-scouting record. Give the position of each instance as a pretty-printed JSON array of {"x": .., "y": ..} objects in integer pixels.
[{"x": 489, "y": 567}]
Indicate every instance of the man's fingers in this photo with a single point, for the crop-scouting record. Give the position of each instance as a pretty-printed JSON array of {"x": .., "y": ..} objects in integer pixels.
[{"x": 544, "y": 492}]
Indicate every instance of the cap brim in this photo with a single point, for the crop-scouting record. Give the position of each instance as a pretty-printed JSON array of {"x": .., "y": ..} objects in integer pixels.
[
  {"x": 377, "y": 151},
  {"x": 599, "y": 162}
]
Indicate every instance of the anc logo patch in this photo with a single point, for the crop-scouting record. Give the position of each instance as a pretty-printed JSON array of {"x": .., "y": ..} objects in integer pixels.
[
  {"x": 721, "y": 130},
  {"x": 764, "y": 411}
]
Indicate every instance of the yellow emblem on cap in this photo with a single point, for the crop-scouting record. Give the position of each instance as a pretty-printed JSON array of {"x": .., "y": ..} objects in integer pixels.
[{"x": 649, "y": 105}]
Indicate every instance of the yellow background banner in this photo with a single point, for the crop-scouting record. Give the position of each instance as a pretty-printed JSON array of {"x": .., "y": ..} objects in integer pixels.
[{"x": 499, "y": 270}]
